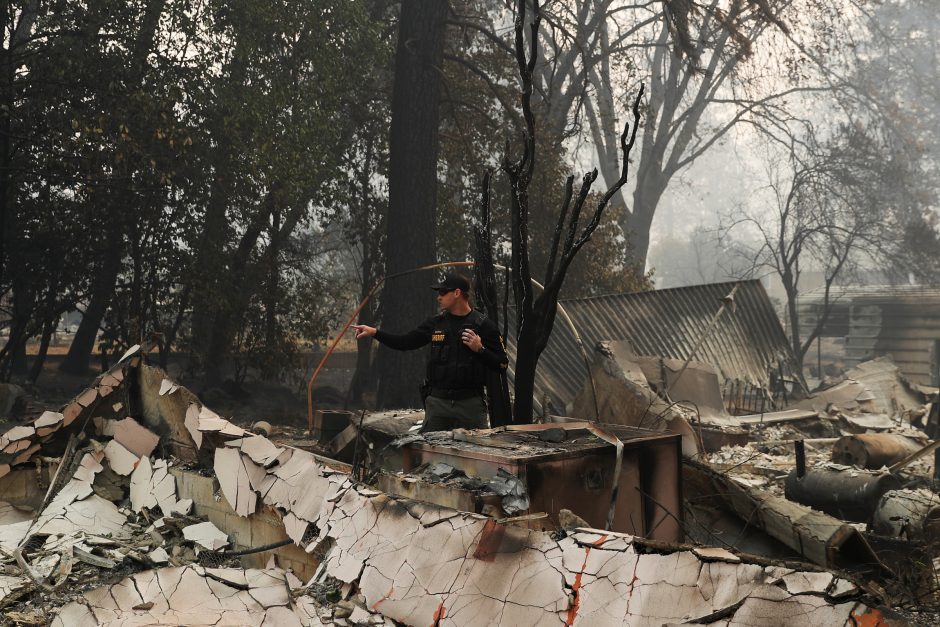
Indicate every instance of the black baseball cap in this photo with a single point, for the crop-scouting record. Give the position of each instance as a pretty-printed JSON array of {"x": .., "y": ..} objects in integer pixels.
[{"x": 453, "y": 281}]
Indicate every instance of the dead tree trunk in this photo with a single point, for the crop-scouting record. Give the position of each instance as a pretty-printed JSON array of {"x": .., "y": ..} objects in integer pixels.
[
  {"x": 535, "y": 316},
  {"x": 499, "y": 405}
]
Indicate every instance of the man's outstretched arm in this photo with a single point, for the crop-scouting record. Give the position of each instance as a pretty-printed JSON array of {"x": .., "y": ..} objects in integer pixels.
[{"x": 416, "y": 338}]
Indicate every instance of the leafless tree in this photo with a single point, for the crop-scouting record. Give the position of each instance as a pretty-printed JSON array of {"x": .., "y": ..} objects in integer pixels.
[
  {"x": 830, "y": 213},
  {"x": 535, "y": 315}
]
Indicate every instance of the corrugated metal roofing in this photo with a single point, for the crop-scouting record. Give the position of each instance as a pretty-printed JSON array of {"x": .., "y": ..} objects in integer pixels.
[{"x": 745, "y": 345}]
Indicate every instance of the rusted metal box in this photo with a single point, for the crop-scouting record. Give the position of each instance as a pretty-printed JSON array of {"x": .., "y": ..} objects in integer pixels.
[{"x": 577, "y": 473}]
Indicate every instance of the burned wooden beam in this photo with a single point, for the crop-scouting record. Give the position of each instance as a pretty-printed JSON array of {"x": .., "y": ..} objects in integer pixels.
[{"x": 816, "y": 536}]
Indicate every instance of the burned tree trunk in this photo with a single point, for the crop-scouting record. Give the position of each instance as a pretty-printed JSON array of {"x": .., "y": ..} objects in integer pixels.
[
  {"x": 499, "y": 405},
  {"x": 535, "y": 316},
  {"x": 412, "y": 190}
]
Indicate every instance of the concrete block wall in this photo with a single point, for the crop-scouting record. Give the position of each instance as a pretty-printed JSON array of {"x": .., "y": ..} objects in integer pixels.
[{"x": 262, "y": 527}]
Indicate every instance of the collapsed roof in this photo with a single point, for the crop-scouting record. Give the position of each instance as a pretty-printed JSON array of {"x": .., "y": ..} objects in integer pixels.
[{"x": 746, "y": 345}]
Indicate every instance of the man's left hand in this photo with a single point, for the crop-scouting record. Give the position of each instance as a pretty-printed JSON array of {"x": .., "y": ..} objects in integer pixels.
[{"x": 471, "y": 340}]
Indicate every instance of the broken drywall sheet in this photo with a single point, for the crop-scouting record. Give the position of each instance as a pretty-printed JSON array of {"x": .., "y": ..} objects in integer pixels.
[
  {"x": 20, "y": 443},
  {"x": 14, "y": 525},
  {"x": 152, "y": 485},
  {"x": 413, "y": 563},
  {"x": 206, "y": 535},
  {"x": 419, "y": 569},
  {"x": 192, "y": 595},
  {"x": 10, "y": 584},
  {"x": 121, "y": 460},
  {"x": 192, "y": 425},
  {"x": 137, "y": 439},
  {"x": 238, "y": 477},
  {"x": 76, "y": 508},
  {"x": 167, "y": 387}
]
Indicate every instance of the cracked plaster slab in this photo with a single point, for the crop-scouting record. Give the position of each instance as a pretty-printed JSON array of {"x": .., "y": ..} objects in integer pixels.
[
  {"x": 206, "y": 535},
  {"x": 167, "y": 387},
  {"x": 422, "y": 565},
  {"x": 76, "y": 508},
  {"x": 121, "y": 460},
  {"x": 801, "y": 583},
  {"x": 19, "y": 432},
  {"x": 48, "y": 419},
  {"x": 137, "y": 439},
  {"x": 152, "y": 485},
  {"x": 192, "y": 424},
  {"x": 10, "y": 584},
  {"x": 191, "y": 595}
]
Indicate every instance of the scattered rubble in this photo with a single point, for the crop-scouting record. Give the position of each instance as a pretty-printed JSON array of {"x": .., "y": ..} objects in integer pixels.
[{"x": 378, "y": 558}]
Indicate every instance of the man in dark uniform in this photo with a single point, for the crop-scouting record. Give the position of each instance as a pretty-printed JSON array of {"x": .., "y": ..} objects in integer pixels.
[{"x": 464, "y": 345}]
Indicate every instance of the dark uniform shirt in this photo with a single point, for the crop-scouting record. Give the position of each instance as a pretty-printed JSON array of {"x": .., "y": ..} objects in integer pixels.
[{"x": 451, "y": 364}]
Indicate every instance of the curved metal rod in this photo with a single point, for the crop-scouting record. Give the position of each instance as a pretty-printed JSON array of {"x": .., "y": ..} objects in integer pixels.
[{"x": 446, "y": 264}]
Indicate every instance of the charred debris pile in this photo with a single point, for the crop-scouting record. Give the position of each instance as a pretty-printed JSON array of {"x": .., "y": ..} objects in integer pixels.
[{"x": 135, "y": 502}]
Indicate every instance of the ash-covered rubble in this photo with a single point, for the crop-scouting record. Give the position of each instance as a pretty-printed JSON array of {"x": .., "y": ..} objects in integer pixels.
[
  {"x": 862, "y": 466},
  {"x": 121, "y": 537}
]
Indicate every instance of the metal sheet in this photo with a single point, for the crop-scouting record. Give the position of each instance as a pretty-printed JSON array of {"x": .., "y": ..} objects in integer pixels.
[{"x": 745, "y": 346}]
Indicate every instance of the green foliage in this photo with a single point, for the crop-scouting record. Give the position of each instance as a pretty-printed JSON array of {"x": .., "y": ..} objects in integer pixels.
[{"x": 171, "y": 160}]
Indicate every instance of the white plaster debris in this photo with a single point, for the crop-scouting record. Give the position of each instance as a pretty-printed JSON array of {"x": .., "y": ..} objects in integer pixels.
[
  {"x": 192, "y": 425},
  {"x": 137, "y": 439},
  {"x": 19, "y": 432},
  {"x": 159, "y": 556},
  {"x": 76, "y": 508},
  {"x": 410, "y": 562},
  {"x": 9, "y": 584},
  {"x": 842, "y": 588},
  {"x": 716, "y": 553},
  {"x": 192, "y": 595},
  {"x": 234, "y": 481},
  {"x": 152, "y": 486},
  {"x": 801, "y": 583},
  {"x": 167, "y": 387},
  {"x": 261, "y": 450},
  {"x": 206, "y": 535},
  {"x": 211, "y": 421},
  {"x": 295, "y": 527},
  {"x": 121, "y": 460},
  {"x": 140, "y": 486},
  {"x": 48, "y": 419},
  {"x": 14, "y": 524},
  {"x": 420, "y": 565},
  {"x": 130, "y": 351},
  {"x": 183, "y": 506}
]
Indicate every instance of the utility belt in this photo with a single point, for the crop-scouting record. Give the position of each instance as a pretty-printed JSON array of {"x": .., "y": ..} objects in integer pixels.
[{"x": 457, "y": 394}]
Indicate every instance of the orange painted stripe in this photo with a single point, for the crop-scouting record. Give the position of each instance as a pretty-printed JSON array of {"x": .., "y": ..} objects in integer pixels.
[
  {"x": 439, "y": 614},
  {"x": 376, "y": 605},
  {"x": 576, "y": 588}
]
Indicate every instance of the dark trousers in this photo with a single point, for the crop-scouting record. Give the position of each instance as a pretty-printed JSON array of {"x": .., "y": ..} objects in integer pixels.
[{"x": 441, "y": 414}]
